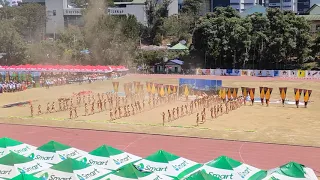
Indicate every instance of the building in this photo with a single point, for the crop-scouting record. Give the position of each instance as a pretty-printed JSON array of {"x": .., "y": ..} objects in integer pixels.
[
  {"x": 242, "y": 5},
  {"x": 61, "y": 14},
  {"x": 171, "y": 66},
  {"x": 303, "y": 6},
  {"x": 138, "y": 9},
  {"x": 286, "y": 5},
  {"x": 254, "y": 9},
  {"x": 134, "y": 7},
  {"x": 209, "y": 5},
  {"x": 313, "y": 16}
]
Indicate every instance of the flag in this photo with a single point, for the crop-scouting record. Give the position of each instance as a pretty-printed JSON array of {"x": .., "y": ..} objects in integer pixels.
[{"x": 115, "y": 86}]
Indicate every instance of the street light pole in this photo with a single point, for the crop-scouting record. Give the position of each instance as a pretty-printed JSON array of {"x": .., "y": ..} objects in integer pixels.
[{"x": 54, "y": 32}]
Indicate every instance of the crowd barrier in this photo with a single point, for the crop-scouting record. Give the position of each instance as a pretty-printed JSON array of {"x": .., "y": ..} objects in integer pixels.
[{"x": 260, "y": 73}]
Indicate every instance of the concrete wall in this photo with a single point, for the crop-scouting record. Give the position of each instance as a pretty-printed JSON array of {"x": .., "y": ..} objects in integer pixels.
[
  {"x": 138, "y": 10},
  {"x": 173, "y": 8},
  {"x": 55, "y": 23}
]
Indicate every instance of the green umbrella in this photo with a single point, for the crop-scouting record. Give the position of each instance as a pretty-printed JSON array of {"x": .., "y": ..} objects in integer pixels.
[
  {"x": 167, "y": 164},
  {"x": 25, "y": 177},
  {"x": 201, "y": 175},
  {"x": 8, "y": 144},
  {"x": 291, "y": 171},
  {"x": 71, "y": 169},
  {"x": 108, "y": 157},
  {"x": 54, "y": 152},
  {"x": 129, "y": 172},
  {"x": 13, "y": 164},
  {"x": 224, "y": 167}
]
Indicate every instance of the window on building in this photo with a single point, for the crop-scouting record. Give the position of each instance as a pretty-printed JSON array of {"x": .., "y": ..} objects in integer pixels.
[
  {"x": 54, "y": 12},
  {"x": 122, "y": 5},
  {"x": 318, "y": 27}
]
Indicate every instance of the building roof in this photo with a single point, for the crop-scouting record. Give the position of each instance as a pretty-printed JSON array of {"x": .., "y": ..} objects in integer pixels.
[
  {"x": 153, "y": 48},
  {"x": 311, "y": 17},
  {"x": 176, "y": 61},
  {"x": 132, "y": 2},
  {"x": 254, "y": 9},
  {"x": 312, "y": 8},
  {"x": 179, "y": 46}
]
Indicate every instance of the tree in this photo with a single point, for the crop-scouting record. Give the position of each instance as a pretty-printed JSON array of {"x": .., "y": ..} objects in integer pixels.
[
  {"x": 191, "y": 7},
  {"x": 103, "y": 35},
  {"x": 156, "y": 15},
  {"x": 178, "y": 27},
  {"x": 131, "y": 27},
  {"x": 264, "y": 42},
  {"x": 34, "y": 21},
  {"x": 315, "y": 47},
  {"x": 11, "y": 44}
]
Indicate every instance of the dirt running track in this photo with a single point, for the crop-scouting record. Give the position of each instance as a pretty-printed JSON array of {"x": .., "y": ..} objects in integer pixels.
[{"x": 263, "y": 156}]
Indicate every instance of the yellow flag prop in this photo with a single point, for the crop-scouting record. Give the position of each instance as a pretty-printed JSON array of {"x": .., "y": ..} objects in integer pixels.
[
  {"x": 297, "y": 94},
  {"x": 262, "y": 94},
  {"x": 307, "y": 94},
  {"x": 251, "y": 93},
  {"x": 283, "y": 94}
]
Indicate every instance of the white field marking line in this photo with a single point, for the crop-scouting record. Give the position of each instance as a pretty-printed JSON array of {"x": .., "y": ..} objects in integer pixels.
[
  {"x": 136, "y": 140},
  {"x": 239, "y": 152}
]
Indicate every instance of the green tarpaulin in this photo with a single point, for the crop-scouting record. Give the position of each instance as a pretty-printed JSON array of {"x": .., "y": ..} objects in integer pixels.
[{"x": 25, "y": 177}]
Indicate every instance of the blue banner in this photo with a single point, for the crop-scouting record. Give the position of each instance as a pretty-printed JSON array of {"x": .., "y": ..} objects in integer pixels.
[{"x": 207, "y": 85}]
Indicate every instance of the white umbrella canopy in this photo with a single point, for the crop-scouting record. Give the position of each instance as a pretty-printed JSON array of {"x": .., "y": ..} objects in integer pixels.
[
  {"x": 71, "y": 169},
  {"x": 168, "y": 164},
  {"x": 224, "y": 167},
  {"x": 291, "y": 171},
  {"x": 13, "y": 164},
  {"x": 54, "y": 152},
  {"x": 129, "y": 172},
  {"x": 7, "y": 145},
  {"x": 108, "y": 157}
]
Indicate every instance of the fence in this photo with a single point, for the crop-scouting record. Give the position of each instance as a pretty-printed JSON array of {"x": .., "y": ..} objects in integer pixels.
[{"x": 260, "y": 73}]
